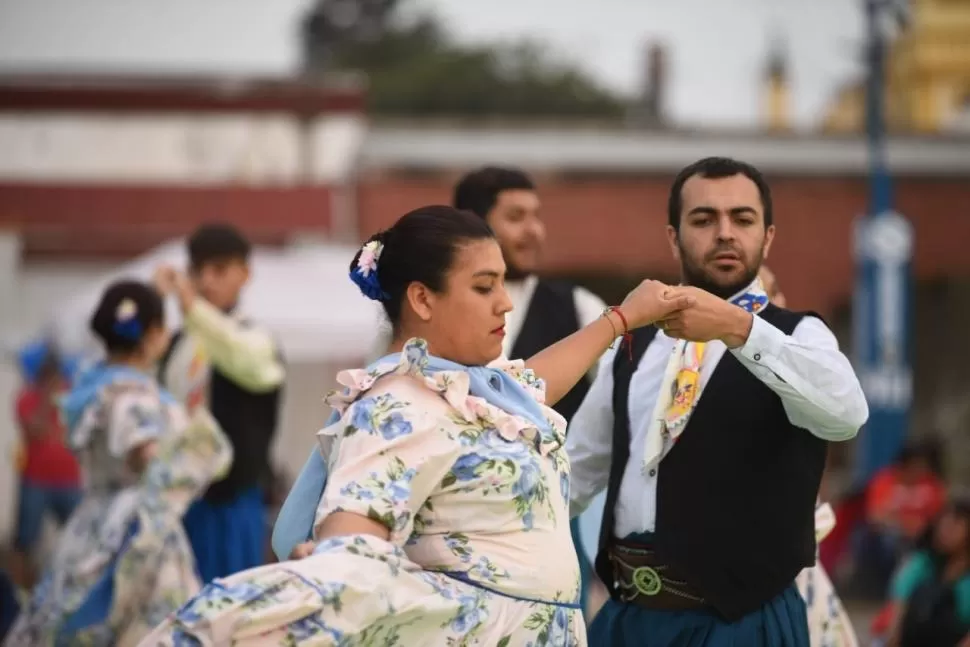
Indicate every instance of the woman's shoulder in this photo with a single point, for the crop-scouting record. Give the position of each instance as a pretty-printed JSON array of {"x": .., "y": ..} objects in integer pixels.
[
  {"x": 404, "y": 377},
  {"x": 526, "y": 377}
]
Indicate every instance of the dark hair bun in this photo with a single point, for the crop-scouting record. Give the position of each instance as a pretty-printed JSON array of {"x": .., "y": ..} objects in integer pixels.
[
  {"x": 420, "y": 247},
  {"x": 128, "y": 309}
]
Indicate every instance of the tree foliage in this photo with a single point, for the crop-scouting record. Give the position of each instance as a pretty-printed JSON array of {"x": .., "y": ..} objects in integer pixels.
[{"x": 415, "y": 70}]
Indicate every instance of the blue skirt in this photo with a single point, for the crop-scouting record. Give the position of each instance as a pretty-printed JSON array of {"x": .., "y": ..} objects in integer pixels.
[
  {"x": 781, "y": 622},
  {"x": 585, "y": 568},
  {"x": 227, "y": 537}
]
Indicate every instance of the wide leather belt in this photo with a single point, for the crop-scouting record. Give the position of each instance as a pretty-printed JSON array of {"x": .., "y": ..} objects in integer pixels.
[{"x": 644, "y": 580}]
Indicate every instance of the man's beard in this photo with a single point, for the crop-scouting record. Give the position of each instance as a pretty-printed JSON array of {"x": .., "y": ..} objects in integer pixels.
[
  {"x": 698, "y": 277},
  {"x": 513, "y": 273}
]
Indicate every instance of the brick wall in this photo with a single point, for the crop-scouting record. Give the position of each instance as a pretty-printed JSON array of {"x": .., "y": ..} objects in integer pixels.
[
  {"x": 98, "y": 221},
  {"x": 616, "y": 225}
]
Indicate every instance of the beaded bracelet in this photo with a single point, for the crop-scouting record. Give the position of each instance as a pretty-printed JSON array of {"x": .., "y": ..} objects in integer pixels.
[{"x": 627, "y": 336}]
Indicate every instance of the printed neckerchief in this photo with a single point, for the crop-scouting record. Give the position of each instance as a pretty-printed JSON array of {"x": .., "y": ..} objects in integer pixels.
[{"x": 681, "y": 385}]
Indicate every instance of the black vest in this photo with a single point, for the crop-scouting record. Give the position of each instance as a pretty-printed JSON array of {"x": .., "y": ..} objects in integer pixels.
[
  {"x": 249, "y": 421},
  {"x": 736, "y": 494},
  {"x": 551, "y": 317}
]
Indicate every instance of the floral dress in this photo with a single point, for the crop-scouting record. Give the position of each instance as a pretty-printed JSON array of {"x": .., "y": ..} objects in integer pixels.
[
  {"x": 123, "y": 562},
  {"x": 829, "y": 624},
  {"x": 476, "y": 503}
]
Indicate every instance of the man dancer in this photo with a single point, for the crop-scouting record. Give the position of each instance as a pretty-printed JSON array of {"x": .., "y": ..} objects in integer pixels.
[
  {"x": 544, "y": 311},
  {"x": 235, "y": 368},
  {"x": 710, "y": 435}
]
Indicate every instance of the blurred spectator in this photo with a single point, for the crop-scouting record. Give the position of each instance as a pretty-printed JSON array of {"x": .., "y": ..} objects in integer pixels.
[
  {"x": 901, "y": 502},
  {"x": 50, "y": 478},
  {"x": 930, "y": 597}
]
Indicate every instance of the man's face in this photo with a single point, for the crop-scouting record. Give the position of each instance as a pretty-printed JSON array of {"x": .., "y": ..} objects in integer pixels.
[
  {"x": 722, "y": 239},
  {"x": 519, "y": 230},
  {"x": 220, "y": 282}
]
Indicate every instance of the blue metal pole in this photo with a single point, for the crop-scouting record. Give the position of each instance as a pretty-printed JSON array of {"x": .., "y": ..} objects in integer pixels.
[
  {"x": 880, "y": 183},
  {"x": 882, "y": 304}
]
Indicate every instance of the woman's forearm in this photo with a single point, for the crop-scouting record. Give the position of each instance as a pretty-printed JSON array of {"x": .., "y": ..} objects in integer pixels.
[{"x": 565, "y": 363}]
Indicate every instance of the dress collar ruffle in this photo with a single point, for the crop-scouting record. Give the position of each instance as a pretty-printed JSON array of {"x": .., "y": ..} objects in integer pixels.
[{"x": 453, "y": 386}]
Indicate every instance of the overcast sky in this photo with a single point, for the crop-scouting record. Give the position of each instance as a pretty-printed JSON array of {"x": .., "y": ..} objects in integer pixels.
[{"x": 716, "y": 48}]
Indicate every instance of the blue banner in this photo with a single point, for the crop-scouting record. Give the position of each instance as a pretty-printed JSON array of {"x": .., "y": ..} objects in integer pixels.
[{"x": 882, "y": 314}]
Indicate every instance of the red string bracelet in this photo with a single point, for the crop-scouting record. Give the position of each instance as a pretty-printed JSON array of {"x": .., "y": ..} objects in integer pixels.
[{"x": 627, "y": 336}]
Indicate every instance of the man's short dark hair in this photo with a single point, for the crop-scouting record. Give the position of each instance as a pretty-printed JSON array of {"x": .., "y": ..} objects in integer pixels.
[
  {"x": 216, "y": 242},
  {"x": 478, "y": 191},
  {"x": 715, "y": 168}
]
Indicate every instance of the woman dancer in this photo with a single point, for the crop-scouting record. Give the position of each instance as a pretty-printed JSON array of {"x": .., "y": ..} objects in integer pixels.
[
  {"x": 123, "y": 562},
  {"x": 444, "y": 520},
  {"x": 829, "y": 624}
]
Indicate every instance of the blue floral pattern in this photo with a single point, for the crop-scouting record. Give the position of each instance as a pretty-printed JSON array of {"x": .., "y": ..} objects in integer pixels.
[
  {"x": 475, "y": 503},
  {"x": 129, "y": 522}
]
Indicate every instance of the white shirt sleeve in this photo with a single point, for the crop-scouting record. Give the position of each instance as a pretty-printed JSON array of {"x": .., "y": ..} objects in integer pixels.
[
  {"x": 589, "y": 308},
  {"x": 589, "y": 439},
  {"x": 814, "y": 379},
  {"x": 247, "y": 354}
]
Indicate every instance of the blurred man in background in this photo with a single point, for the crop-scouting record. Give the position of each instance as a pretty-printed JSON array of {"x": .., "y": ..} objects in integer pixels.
[
  {"x": 50, "y": 477},
  {"x": 223, "y": 361},
  {"x": 902, "y": 500}
]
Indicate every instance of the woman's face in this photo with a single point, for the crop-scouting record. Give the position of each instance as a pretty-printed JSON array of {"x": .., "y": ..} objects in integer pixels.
[
  {"x": 465, "y": 322},
  {"x": 951, "y": 532}
]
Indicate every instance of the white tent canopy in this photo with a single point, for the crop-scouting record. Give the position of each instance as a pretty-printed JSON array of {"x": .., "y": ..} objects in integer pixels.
[{"x": 302, "y": 295}]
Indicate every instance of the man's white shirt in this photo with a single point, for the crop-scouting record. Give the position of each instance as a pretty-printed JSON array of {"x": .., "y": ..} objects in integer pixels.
[{"x": 814, "y": 379}]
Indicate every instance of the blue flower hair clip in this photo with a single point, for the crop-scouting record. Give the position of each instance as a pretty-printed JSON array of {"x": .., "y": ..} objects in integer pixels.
[
  {"x": 365, "y": 274},
  {"x": 126, "y": 322}
]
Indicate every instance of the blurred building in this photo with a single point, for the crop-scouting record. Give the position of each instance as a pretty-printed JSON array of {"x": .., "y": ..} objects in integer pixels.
[
  {"x": 928, "y": 75},
  {"x": 605, "y": 194},
  {"x": 649, "y": 108},
  {"x": 94, "y": 170},
  {"x": 777, "y": 88}
]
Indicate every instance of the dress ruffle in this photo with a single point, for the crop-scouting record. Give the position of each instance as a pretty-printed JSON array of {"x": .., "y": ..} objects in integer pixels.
[{"x": 453, "y": 386}]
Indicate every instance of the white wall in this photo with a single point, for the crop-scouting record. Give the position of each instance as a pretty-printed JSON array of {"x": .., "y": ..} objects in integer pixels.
[{"x": 262, "y": 149}]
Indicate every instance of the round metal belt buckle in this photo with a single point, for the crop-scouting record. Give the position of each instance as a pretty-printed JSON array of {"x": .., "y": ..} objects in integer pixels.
[{"x": 647, "y": 581}]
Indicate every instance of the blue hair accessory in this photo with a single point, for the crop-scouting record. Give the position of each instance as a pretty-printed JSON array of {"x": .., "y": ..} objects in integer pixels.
[
  {"x": 126, "y": 322},
  {"x": 365, "y": 274}
]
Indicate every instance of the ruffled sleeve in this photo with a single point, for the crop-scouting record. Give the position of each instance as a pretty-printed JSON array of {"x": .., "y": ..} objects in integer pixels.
[
  {"x": 532, "y": 383},
  {"x": 192, "y": 455},
  {"x": 136, "y": 416},
  {"x": 390, "y": 450}
]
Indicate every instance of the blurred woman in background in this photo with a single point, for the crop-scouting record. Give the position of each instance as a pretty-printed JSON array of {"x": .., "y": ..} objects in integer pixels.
[
  {"x": 123, "y": 562},
  {"x": 931, "y": 592},
  {"x": 828, "y": 623}
]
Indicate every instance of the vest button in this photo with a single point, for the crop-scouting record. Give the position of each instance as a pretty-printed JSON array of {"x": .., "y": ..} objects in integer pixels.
[{"x": 653, "y": 473}]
